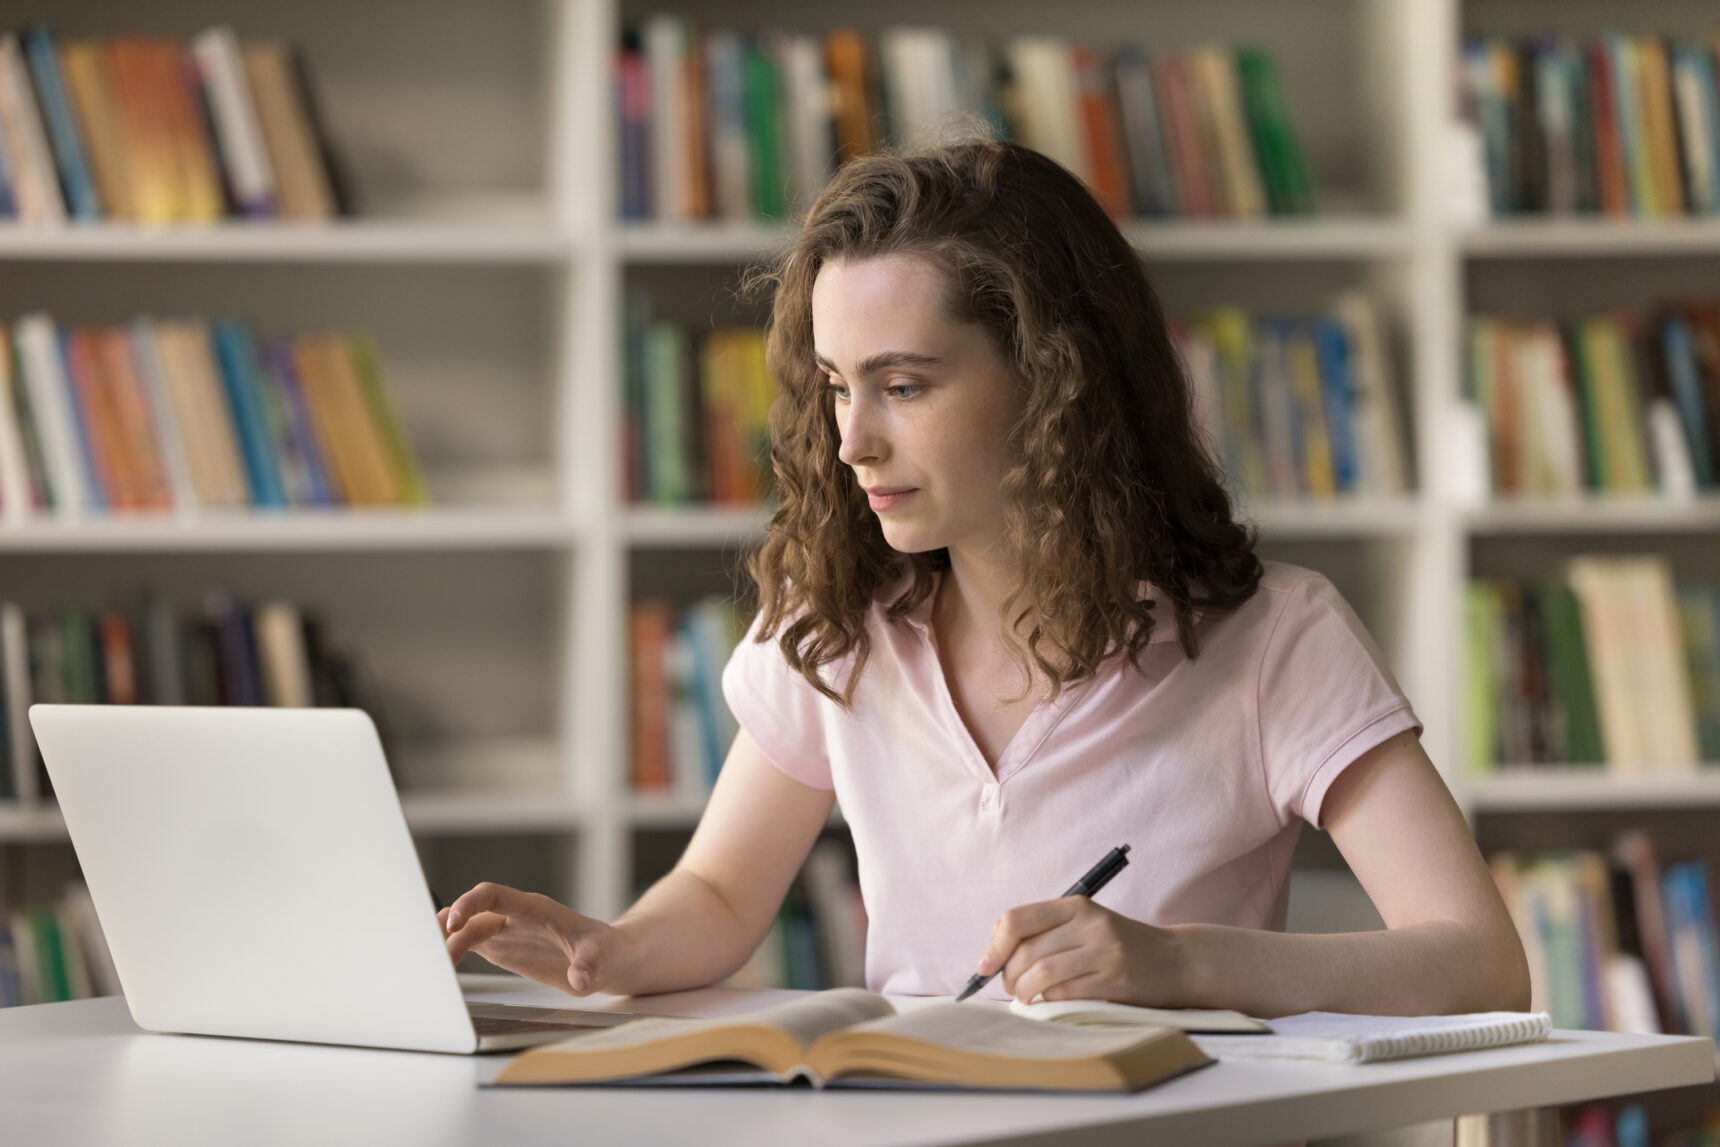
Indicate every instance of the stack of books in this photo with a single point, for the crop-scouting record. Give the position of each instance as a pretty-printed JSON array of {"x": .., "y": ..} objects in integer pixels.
[
  {"x": 715, "y": 124},
  {"x": 695, "y": 410},
  {"x": 682, "y": 727},
  {"x": 186, "y": 415},
  {"x": 1614, "y": 666},
  {"x": 1617, "y": 403},
  {"x": 227, "y": 652},
  {"x": 158, "y": 131},
  {"x": 818, "y": 939},
  {"x": 1620, "y": 125},
  {"x": 1298, "y": 408},
  {"x": 1615, "y": 942},
  {"x": 50, "y": 953}
]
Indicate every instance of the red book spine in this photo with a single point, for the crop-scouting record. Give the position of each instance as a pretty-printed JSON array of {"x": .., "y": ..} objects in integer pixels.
[
  {"x": 1098, "y": 118},
  {"x": 1609, "y": 156}
]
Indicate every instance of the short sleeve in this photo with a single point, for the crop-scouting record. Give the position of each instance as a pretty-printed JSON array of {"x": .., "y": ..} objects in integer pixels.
[
  {"x": 1326, "y": 696},
  {"x": 779, "y": 709}
]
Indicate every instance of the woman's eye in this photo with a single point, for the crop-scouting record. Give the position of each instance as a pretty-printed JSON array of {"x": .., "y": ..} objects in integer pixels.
[
  {"x": 838, "y": 389},
  {"x": 904, "y": 390}
]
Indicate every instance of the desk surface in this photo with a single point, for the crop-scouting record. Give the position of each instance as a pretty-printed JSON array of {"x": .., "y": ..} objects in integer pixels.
[{"x": 82, "y": 1073}]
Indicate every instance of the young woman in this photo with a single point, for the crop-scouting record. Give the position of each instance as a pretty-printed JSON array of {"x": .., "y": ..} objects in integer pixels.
[{"x": 1008, "y": 620}]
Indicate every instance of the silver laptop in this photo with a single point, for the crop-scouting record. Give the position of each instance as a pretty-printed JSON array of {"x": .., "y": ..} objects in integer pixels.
[{"x": 254, "y": 877}]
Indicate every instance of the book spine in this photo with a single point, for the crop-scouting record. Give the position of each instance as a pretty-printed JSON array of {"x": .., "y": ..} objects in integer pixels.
[
  {"x": 81, "y": 198},
  {"x": 239, "y": 136},
  {"x": 236, "y": 355},
  {"x": 34, "y": 183}
]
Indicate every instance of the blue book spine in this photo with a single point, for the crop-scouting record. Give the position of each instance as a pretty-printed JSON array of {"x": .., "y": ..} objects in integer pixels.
[
  {"x": 278, "y": 359},
  {"x": 11, "y": 985},
  {"x": 1690, "y": 928},
  {"x": 94, "y": 491},
  {"x": 1338, "y": 385},
  {"x": 75, "y": 181},
  {"x": 1626, "y": 112},
  {"x": 8, "y": 204},
  {"x": 1687, "y": 395},
  {"x": 237, "y": 356},
  {"x": 707, "y": 689},
  {"x": 1703, "y": 64}
]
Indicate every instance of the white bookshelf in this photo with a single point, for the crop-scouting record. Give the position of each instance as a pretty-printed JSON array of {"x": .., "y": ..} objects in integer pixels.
[{"x": 490, "y": 265}]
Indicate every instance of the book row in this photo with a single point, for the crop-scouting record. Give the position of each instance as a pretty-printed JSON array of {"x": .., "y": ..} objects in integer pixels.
[
  {"x": 55, "y": 952},
  {"x": 681, "y": 724},
  {"x": 1613, "y": 665},
  {"x": 1616, "y": 941},
  {"x": 1614, "y": 403},
  {"x": 818, "y": 939},
  {"x": 181, "y": 415},
  {"x": 694, "y": 408},
  {"x": 1298, "y": 407},
  {"x": 226, "y": 651},
  {"x": 1618, "y": 125},
  {"x": 716, "y": 124},
  {"x": 160, "y": 131}
]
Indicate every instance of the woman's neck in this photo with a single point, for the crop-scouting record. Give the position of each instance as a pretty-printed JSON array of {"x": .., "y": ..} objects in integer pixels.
[{"x": 972, "y": 593}]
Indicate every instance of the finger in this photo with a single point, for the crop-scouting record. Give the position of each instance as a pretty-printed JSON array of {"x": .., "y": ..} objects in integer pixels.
[
  {"x": 1034, "y": 949},
  {"x": 480, "y": 928},
  {"x": 1088, "y": 987},
  {"x": 442, "y": 919},
  {"x": 1047, "y": 974},
  {"x": 486, "y": 897},
  {"x": 1018, "y": 924}
]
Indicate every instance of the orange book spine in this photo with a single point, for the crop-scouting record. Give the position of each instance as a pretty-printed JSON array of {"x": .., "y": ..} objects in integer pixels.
[
  {"x": 119, "y": 667},
  {"x": 187, "y": 133},
  {"x": 1098, "y": 118},
  {"x": 699, "y": 203},
  {"x": 846, "y": 57},
  {"x": 131, "y": 410},
  {"x": 149, "y": 164},
  {"x": 650, "y": 626},
  {"x": 1609, "y": 152},
  {"x": 1194, "y": 190},
  {"x": 101, "y": 432}
]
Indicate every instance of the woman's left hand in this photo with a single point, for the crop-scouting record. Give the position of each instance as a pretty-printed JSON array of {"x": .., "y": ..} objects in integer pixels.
[{"x": 1073, "y": 949}]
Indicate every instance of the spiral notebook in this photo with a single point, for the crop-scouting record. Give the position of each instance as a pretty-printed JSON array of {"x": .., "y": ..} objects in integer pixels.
[{"x": 1333, "y": 1037}]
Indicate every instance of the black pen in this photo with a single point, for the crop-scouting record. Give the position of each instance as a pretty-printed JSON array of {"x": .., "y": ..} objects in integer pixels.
[{"x": 1097, "y": 877}]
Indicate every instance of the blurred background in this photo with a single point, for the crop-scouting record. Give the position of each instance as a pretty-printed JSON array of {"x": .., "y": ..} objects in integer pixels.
[{"x": 390, "y": 354}]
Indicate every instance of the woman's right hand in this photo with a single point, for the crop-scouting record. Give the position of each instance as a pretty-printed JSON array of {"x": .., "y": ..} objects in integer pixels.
[{"x": 533, "y": 936}]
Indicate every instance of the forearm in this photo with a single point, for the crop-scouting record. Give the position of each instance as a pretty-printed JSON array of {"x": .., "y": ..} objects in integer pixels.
[
  {"x": 681, "y": 934},
  {"x": 1435, "y": 968}
]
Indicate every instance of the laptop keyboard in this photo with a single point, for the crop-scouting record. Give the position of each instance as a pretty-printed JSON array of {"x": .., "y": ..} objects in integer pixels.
[{"x": 511, "y": 1019}]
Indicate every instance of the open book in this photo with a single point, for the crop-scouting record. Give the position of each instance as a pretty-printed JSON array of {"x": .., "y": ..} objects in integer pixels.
[{"x": 848, "y": 1036}]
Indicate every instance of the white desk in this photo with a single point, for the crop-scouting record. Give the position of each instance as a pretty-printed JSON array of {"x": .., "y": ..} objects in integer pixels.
[{"x": 81, "y": 1074}]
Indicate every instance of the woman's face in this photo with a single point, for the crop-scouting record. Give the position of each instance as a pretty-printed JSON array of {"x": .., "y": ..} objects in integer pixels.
[{"x": 924, "y": 405}]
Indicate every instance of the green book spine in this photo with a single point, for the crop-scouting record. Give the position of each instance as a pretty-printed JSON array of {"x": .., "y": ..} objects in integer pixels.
[
  {"x": 1290, "y": 188},
  {"x": 82, "y": 677},
  {"x": 1697, "y": 616},
  {"x": 401, "y": 459},
  {"x": 764, "y": 132},
  {"x": 1481, "y": 684},
  {"x": 666, "y": 414},
  {"x": 1582, "y": 356},
  {"x": 51, "y": 953},
  {"x": 1568, "y": 662}
]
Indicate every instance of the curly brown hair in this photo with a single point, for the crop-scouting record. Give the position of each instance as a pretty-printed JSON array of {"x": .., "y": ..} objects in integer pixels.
[{"x": 1114, "y": 485}]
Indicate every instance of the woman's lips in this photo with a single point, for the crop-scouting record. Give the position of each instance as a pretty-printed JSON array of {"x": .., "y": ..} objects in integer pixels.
[{"x": 883, "y": 501}]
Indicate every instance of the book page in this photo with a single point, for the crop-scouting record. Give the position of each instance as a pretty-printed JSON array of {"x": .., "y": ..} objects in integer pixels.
[
  {"x": 992, "y": 1031},
  {"x": 1086, "y": 1013},
  {"x": 803, "y": 1020}
]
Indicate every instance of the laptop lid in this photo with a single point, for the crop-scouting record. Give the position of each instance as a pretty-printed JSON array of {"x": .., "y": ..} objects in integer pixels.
[{"x": 253, "y": 874}]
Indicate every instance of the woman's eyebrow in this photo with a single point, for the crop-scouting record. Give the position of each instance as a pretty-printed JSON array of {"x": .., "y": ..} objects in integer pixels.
[{"x": 883, "y": 360}]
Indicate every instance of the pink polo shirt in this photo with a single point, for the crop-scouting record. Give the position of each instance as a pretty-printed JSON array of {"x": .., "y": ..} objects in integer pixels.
[{"x": 1206, "y": 768}]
